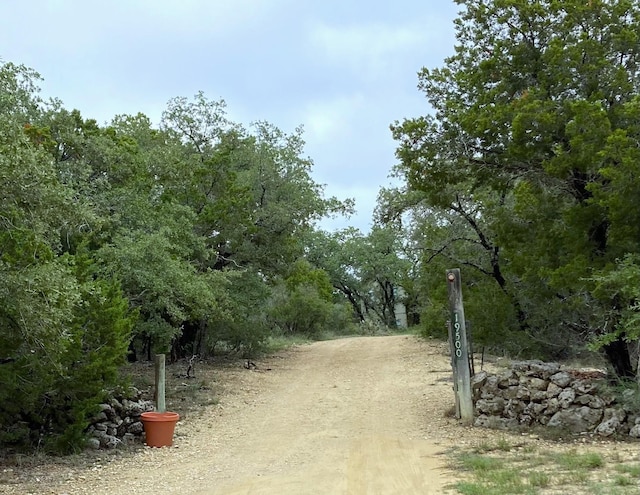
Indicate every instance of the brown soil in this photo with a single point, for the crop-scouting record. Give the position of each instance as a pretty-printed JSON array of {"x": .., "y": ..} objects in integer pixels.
[{"x": 353, "y": 416}]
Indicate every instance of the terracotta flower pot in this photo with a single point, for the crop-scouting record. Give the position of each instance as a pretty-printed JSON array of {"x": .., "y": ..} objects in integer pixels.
[{"x": 159, "y": 427}]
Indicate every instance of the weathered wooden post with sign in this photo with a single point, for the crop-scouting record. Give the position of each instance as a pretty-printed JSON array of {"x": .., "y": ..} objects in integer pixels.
[{"x": 459, "y": 349}]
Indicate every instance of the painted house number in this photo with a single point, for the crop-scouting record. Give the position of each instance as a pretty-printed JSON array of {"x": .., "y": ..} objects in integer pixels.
[{"x": 457, "y": 337}]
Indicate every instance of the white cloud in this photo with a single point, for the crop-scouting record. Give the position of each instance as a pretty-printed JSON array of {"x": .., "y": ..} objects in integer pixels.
[
  {"x": 189, "y": 17},
  {"x": 342, "y": 69},
  {"x": 80, "y": 26},
  {"x": 371, "y": 48},
  {"x": 326, "y": 120}
]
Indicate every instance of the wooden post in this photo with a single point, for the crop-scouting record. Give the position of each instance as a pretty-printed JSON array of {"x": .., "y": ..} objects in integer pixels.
[
  {"x": 160, "y": 384},
  {"x": 455, "y": 371},
  {"x": 459, "y": 349}
]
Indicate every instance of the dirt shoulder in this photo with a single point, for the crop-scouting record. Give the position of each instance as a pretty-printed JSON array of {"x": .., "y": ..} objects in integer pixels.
[{"x": 351, "y": 416}]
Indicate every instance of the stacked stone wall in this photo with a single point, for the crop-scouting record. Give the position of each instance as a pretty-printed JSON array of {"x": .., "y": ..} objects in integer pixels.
[
  {"x": 119, "y": 420},
  {"x": 533, "y": 393}
]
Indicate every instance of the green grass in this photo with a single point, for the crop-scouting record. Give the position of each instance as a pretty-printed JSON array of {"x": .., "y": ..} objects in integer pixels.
[
  {"x": 574, "y": 461},
  {"x": 503, "y": 468},
  {"x": 622, "y": 480},
  {"x": 479, "y": 463},
  {"x": 492, "y": 474},
  {"x": 276, "y": 343},
  {"x": 631, "y": 470},
  {"x": 501, "y": 445},
  {"x": 539, "y": 479}
]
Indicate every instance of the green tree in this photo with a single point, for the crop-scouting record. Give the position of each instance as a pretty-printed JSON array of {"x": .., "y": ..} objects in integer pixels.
[
  {"x": 251, "y": 188},
  {"x": 534, "y": 109},
  {"x": 64, "y": 332},
  {"x": 367, "y": 270},
  {"x": 331, "y": 253},
  {"x": 254, "y": 203},
  {"x": 383, "y": 268},
  {"x": 179, "y": 238},
  {"x": 303, "y": 302}
]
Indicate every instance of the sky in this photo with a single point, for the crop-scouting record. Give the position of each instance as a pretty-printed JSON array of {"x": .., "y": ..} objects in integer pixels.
[{"x": 343, "y": 70}]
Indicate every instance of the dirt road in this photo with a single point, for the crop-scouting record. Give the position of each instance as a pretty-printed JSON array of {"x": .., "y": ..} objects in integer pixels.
[{"x": 350, "y": 416}]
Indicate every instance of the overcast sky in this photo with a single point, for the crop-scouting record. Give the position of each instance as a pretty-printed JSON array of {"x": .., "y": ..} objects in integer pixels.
[{"x": 344, "y": 70}]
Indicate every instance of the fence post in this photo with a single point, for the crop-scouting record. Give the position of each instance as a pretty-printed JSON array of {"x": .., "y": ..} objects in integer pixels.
[
  {"x": 160, "y": 383},
  {"x": 459, "y": 348}
]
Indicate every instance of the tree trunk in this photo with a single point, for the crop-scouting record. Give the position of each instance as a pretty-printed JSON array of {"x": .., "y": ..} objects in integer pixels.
[
  {"x": 355, "y": 303},
  {"x": 200, "y": 338},
  {"x": 617, "y": 353}
]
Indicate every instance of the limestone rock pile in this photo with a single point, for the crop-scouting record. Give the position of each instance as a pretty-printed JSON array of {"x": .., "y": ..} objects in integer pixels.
[
  {"x": 538, "y": 393},
  {"x": 118, "y": 420}
]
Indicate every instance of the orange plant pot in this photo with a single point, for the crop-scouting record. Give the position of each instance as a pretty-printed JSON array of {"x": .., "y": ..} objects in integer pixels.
[{"x": 159, "y": 428}]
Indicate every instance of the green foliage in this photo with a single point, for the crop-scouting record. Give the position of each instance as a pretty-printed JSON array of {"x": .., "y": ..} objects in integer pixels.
[
  {"x": 97, "y": 345},
  {"x": 302, "y": 273},
  {"x": 175, "y": 239},
  {"x": 334, "y": 254},
  {"x": 303, "y": 304},
  {"x": 166, "y": 288},
  {"x": 341, "y": 320},
  {"x": 59, "y": 377},
  {"x": 524, "y": 174},
  {"x": 300, "y": 311},
  {"x": 244, "y": 327},
  {"x": 620, "y": 283},
  {"x": 625, "y": 392},
  {"x": 366, "y": 271}
]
